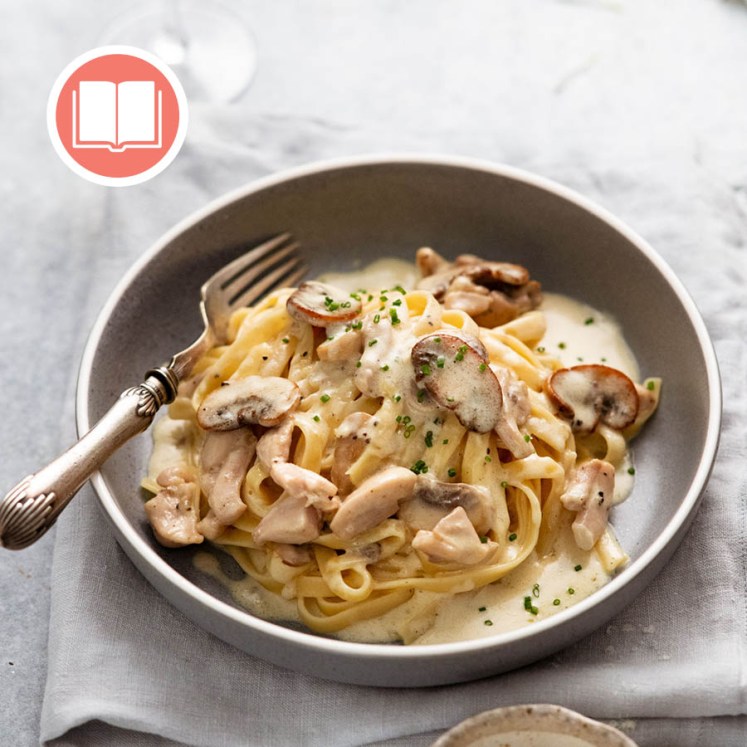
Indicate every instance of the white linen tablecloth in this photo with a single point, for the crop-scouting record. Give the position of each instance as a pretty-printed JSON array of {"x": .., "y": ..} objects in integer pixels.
[
  {"x": 640, "y": 107},
  {"x": 120, "y": 654}
]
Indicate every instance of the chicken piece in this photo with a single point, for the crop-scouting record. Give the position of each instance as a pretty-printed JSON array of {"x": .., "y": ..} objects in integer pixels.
[
  {"x": 316, "y": 490},
  {"x": 515, "y": 412},
  {"x": 341, "y": 347},
  {"x": 174, "y": 511},
  {"x": 275, "y": 444},
  {"x": 224, "y": 461},
  {"x": 352, "y": 436},
  {"x": 290, "y": 521},
  {"x": 293, "y": 555},
  {"x": 590, "y": 494},
  {"x": 374, "y": 500},
  {"x": 453, "y": 540}
]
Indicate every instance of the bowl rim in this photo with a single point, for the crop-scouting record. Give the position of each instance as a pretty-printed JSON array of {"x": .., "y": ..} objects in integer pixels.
[{"x": 680, "y": 520}]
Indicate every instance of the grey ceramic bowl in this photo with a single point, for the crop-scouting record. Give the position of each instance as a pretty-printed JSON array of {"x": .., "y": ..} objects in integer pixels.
[{"x": 346, "y": 213}]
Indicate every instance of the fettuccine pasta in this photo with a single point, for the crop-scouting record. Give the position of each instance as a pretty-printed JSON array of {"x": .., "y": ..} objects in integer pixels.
[{"x": 352, "y": 450}]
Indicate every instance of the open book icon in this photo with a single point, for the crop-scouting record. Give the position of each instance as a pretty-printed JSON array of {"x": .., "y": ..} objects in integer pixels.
[{"x": 117, "y": 116}]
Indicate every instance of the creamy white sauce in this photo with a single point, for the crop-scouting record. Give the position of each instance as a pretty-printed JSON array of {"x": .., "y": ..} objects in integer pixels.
[
  {"x": 429, "y": 618},
  {"x": 578, "y": 334}
]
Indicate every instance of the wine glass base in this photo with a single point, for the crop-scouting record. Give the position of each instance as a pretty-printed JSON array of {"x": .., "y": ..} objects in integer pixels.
[{"x": 209, "y": 47}]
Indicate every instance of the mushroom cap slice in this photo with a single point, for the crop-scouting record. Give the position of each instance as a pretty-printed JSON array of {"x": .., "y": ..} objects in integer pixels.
[
  {"x": 255, "y": 400},
  {"x": 592, "y": 393},
  {"x": 320, "y": 305},
  {"x": 454, "y": 370}
]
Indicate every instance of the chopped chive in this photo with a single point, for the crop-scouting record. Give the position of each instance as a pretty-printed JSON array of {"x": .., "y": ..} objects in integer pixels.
[
  {"x": 488, "y": 459},
  {"x": 420, "y": 467},
  {"x": 383, "y": 299},
  {"x": 372, "y": 342},
  {"x": 556, "y": 602},
  {"x": 504, "y": 484},
  {"x": 397, "y": 397},
  {"x": 589, "y": 320},
  {"x": 440, "y": 361},
  {"x": 358, "y": 364},
  {"x": 571, "y": 590},
  {"x": 577, "y": 568},
  {"x": 377, "y": 318},
  {"x": 398, "y": 418},
  {"x": 429, "y": 439},
  {"x": 482, "y": 368},
  {"x": 409, "y": 431},
  {"x": 425, "y": 369},
  {"x": 356, "y": 296},
  {"x": 370, "y": 297},
  {"x": 451, "y": 472},
  {"x": 512, "y": 536},
  {"x": 488, "y": 622},
  {"x": 536, "y": 591},
  {"x": 398, "y": 302},
  {"x": 484, "y": 540},
  {"x": 561, "y": 345},
  {"x": 385, "y": 367},
  {"x": 316, "y": 418},
  {"x": 631, "y": 470},
  {"x": 394, "y": 317},
  {"x": 445, "y": 441},
  {"x": 421, "y": 395},
  {"x": 437, "y": 340},
  {"x": 541, "y": 349},
  {"x": 324, "y": 398},
  {"x": 527, "y": 437},
  {"x": 286, "y": 340},
  {"x": 529, "y": 607},
  {"x": 650, "y": 386},
  {"x": 482, "y": 609}
]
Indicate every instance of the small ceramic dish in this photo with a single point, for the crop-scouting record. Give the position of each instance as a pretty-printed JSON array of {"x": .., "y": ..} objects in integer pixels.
[{"x": 532, "y": 726}]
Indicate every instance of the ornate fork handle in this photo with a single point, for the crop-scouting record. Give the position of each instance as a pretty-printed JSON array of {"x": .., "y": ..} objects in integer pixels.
[{"x": 33, "y": 505}]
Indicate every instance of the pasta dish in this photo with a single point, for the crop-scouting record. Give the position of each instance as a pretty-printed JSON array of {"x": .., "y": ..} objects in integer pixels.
[{"x": 371, "y": 454}]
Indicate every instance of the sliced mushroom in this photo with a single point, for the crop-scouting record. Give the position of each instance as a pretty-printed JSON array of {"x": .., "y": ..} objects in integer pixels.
[
  {"x": 275, "y": 445},
  {"x": 432, "y": 500},
  {"x": 320, "y": 304},
  {"x": 590, "y": 494},
  {"x": 590, "y": 393},
  {"x": 492, "y": 293},
  {"x": 316, "y": 490},
  {"x": 290, "y": 521},
  {"x": 352, "y": 436},
  {"x": 453, "y": 540},
  {"x": 374, "y": 500},
  {"x": 224, "y": 461},
  {"x": 454, "y": 371},
  {"x": 516, "y": 410},
  {"x": 255, "y": 400},
  {"x": 175, "y": 510}
]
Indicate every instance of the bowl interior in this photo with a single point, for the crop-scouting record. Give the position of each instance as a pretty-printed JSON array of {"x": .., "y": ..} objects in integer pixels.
[{"x": 348, "y": 215}]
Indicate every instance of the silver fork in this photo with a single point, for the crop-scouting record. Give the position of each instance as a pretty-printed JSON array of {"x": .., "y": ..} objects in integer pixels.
[{"x": 33, "y": 505}]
